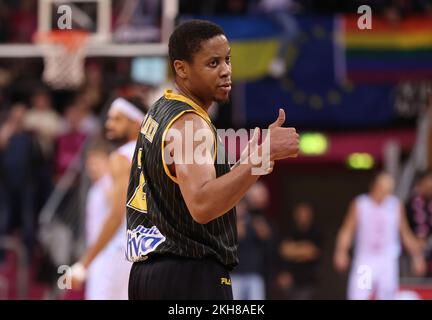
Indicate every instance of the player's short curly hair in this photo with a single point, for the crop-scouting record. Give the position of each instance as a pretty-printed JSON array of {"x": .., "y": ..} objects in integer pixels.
[{"x": 187, "y": 38}]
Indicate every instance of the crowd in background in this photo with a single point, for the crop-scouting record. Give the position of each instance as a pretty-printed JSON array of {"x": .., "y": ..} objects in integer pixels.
[{"x": 43, "y": 131}]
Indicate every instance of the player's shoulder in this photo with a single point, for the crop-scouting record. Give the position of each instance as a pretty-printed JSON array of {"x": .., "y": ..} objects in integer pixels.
[
  {"x": 394, "y": 200},
  {"x": 361, "y": 199},
  {"x": 189, "y": 121},
  {"x": 166, "y": 104},
  {"x": 118, "y": 162},
  {"x": 127, "y": 149}
]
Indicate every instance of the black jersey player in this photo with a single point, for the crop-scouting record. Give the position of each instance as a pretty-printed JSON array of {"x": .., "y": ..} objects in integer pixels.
[{"x": 181, "y": 216}]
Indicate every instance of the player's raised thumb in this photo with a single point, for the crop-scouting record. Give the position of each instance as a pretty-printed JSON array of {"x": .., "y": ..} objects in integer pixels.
[
  {"x": 255, "y": 136},
  {"x": 279, "y": 121}
]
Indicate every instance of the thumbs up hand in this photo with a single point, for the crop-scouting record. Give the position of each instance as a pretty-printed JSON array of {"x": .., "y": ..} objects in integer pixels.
[
  {"x": 279, "y": 121},
  {"x": 284, "y": 142}
]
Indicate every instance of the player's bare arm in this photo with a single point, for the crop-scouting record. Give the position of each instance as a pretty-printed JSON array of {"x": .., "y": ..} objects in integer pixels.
[
  {"x": 344, "y": 240},
  {"x": 208, "y": 197},
  {"x": 412, "y": 245},
  {"x": 119, "y": 171}
]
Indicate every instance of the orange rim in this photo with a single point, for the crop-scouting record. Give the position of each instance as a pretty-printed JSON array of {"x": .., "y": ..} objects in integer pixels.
[{"x": 71, "y": 39}]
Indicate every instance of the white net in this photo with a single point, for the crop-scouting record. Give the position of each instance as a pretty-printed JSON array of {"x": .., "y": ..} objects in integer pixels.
[{"x": 64, "y": 57}]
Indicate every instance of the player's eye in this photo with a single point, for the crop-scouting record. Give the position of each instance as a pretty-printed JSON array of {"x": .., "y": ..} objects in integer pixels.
[
  {"x": 228, "y": 60},
  {"x": 213, "y": 63}
]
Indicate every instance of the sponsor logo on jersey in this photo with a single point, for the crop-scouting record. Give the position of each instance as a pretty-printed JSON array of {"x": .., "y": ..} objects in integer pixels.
[{"x": 141, "y": 241}]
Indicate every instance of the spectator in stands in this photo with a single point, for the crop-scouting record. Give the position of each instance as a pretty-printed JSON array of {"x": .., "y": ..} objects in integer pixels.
[
  {"x": 44, "y": 121},
  {"x": 255, "y": 238},
  {"x": 93, "y": 90},
  {"x": 89, "y": 124},
  {"x": 138, "y": 21},
  {"x": 69, "y": 143},
  {"x": 299, "y": 252},
  {"x": 19, "y": 162},
  {"x": 419, "y": 211},
  {"x": 46, "y": 124}
]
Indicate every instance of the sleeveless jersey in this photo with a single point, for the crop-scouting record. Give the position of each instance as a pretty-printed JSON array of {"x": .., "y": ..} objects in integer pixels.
[
  {"x": 158, "y": 220},
  {"x": 377, "y": 226}
]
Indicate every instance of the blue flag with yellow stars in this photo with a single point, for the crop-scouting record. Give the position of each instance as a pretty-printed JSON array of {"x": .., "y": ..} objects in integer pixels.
[{"x": 309, "y": 89}]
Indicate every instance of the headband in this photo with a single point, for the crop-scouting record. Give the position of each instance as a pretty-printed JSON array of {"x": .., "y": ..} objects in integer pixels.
[{"x": 128, "y": 109}]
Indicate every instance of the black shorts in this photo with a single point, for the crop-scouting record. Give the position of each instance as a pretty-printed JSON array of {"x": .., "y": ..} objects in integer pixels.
[{"x": 177, "y": 278}]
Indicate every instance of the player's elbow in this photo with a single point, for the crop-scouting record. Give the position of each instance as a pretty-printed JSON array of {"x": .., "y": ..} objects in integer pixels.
[
  {"x": 200, "y": 211},
  {"x": 201, "y": 220},
  {"x": 200, "y": 216},
  {"x": 202, "y": 207}
]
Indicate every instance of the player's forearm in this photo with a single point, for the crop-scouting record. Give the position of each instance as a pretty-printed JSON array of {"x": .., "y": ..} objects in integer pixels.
[
  {"x": 109, "y": 229},
  {"x": 409, "y": 240},
  {"x": 219, "y": 195},
  {"x": 343, "y": 242},
  {"x": 411, "y": 244}
]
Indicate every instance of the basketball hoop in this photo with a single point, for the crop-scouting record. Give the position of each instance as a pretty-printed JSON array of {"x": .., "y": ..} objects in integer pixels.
[{"x": 64, "y": 53}]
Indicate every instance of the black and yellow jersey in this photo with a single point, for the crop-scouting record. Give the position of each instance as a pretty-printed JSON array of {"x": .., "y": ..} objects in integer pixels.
[{"x": 158, "y": 220}]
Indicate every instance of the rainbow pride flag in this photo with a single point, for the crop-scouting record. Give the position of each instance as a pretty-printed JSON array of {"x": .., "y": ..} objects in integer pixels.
[{"x": 389, "y": 52}]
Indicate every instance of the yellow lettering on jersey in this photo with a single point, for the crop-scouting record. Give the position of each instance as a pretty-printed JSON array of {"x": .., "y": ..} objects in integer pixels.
[
  {"x": 145, "y": 124},
  {"x": 149, "y": 127},
  {"x": 226, "y": 281},
  {"x": 139, "y": 158},
  {"x": 138, "y": 201},
  {"x": 152, "y": 130}
]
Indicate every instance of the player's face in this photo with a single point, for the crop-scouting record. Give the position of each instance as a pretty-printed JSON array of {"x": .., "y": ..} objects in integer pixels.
[
  {"x": 117, "y": 126},
  {"x": 385, "y": 184},
  {"x": 210, "y": 70}
]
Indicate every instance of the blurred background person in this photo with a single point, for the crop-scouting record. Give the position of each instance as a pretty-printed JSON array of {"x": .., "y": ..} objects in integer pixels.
[
  {"x": 46, "y": 125},
  {"x": 90, "y": 123},
  {"x": 43, "y": 120},
  {"x": 123, "y": 127},
  {"x": 377, "y": 220},
  {"x": 419, "y": 212},
  {"x": 69, "y": 143},
  {"x": 97, "y": 210},
  {"x": 255, "y": 239},
  {"x": 299, "y": 256},
  {"x": 247, "y": 280},
  {"x": 19, "y": 164}
]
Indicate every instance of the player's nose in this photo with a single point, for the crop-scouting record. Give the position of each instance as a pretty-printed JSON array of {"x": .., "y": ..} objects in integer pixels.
[{"x": 225, "y": 70}]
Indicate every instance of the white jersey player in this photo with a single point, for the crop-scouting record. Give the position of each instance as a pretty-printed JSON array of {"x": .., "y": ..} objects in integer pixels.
[
  {"x": 111, "y": 273},
  {"x": 376, "y": 221}
]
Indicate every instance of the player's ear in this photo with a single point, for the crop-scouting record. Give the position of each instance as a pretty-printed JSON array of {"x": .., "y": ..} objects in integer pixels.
[{"x": 180, "y": 68}]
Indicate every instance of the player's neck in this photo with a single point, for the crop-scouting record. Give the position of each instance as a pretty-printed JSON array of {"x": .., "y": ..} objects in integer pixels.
[
  {"x": 377, "y": 197},
  {"x": 132, "y": 138},
  {"x": 183, "y": 90}
]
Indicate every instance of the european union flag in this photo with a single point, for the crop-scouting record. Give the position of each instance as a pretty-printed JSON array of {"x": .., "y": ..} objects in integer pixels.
[{"x": 309, "y": 90}]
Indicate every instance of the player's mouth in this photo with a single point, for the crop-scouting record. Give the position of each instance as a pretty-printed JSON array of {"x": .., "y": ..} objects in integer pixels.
[
  {"x": 225, "y": 87},
  {"x": 110, "y": 134}
]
